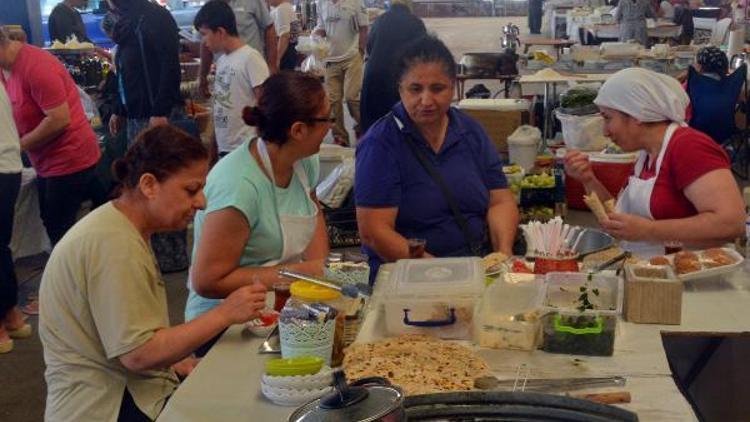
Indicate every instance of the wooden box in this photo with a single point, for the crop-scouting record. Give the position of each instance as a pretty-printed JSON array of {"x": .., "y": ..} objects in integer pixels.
[
  {"x": 653, "y": 295},
  {"x": 498, "y": 117}
]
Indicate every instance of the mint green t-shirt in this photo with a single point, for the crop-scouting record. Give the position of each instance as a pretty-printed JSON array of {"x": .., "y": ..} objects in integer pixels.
[{"x": 237, "y": 181}]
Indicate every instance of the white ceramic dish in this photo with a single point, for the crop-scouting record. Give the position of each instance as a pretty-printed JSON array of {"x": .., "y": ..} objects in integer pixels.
[
  {"x": 258, "y": 329},
  {"x": 291, "y": 397},
  {"x": 707, "y": 273},
  {"x": 322, "y": 379}
]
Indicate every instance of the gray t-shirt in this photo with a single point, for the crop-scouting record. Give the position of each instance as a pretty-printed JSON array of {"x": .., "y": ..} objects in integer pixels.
[
  {"x": 341, "y": 21},
  {"x": 102, "y": 296},
  {"x": 253, "y": 17}
]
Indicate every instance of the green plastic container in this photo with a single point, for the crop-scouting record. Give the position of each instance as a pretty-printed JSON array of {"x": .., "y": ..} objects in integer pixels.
[{"x": 304, "y": 365}]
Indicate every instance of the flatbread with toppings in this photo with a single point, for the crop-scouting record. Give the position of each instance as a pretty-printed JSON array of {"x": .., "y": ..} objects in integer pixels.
[{"x": 419, "y": 364}]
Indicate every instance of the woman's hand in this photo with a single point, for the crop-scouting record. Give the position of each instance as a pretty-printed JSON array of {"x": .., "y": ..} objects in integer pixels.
[
  {"x": 577, "y": 165},
  {"x": 184, "y": 367},
  {"x": 629, "y": 227},
  {"x": 244, "y": 303}
]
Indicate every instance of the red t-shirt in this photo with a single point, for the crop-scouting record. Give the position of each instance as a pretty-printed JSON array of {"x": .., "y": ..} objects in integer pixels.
[
  {"x": 38, "y": 82},
  {"x": 690, "y": 155}
]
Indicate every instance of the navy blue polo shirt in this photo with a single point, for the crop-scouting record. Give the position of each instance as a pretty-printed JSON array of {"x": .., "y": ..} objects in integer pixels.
[{"x": 388, "y": 174}]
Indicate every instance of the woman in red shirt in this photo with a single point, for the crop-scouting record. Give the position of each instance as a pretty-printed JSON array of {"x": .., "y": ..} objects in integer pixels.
[
  {"x": 53, "y": 128},
  {"x": 682, "y": 188}
]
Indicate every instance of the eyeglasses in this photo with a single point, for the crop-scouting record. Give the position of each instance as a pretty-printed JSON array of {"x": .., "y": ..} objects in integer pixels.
[{"x": 322, "y": 120}]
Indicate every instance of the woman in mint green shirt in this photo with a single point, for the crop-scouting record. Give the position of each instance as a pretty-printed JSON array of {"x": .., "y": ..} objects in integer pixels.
[{"x": 262, "y": 213}]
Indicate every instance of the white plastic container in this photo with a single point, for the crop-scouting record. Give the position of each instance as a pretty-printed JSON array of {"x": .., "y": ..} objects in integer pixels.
[
  {"x": 508, "y": 313},
  {"x": 585, "y": 133},
  {"x": 434, "y": 296},
  {"x": 563, "y": 289},
  {"x": 523, "y": 145}
]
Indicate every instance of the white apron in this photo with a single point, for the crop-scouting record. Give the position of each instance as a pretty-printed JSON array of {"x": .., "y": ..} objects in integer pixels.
[
  {"x": 636, "y": 198},
  {"x": 296, "y": 230}
]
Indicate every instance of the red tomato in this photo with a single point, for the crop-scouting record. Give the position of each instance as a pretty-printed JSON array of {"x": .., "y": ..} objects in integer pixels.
[
  {"x": 269, "y": 318},
  {"x": 521, "y": 267}
]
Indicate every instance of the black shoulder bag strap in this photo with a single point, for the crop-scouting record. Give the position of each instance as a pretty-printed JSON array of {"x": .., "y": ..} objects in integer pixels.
[{"x": 476, "y": 249}]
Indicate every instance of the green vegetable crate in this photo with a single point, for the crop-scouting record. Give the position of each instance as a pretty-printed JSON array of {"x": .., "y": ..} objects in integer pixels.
[{"x": 581, "y": 313}]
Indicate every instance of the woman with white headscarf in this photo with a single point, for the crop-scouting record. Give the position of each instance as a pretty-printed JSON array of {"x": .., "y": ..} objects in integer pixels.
[{"x": 682, "y": 188}]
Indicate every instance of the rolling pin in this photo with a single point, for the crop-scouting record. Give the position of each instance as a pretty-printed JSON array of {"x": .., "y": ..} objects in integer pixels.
[{"x": 614, "y": 397}]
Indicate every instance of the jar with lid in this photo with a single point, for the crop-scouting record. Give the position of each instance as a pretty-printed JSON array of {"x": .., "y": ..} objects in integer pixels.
[{"x": 312, "y": 323}]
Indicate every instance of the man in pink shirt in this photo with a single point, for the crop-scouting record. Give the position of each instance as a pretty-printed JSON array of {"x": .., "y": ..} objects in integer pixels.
[{"x": 53, "y": 129}]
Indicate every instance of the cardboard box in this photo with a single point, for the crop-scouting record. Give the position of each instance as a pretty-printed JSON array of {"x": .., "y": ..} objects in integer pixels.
[{"x": 498, "y": 117}]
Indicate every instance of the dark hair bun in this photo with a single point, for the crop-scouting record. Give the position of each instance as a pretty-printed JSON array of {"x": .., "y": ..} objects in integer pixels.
[
  {"x": 252, "y": 116},
  {"x": 120, "y": 170}
]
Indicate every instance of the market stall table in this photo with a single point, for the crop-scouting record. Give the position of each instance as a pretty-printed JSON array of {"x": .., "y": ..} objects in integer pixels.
[
  {"x": 660, "y": 31},
  {"x": 505, "y": 80},
  {"x": 558, "y": 44},
  {"x": 226, "y": 384}
]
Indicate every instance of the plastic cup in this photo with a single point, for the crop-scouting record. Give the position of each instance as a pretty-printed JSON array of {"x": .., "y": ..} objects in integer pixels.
[
  {"x": 672, "y": 247},
  {"x": 416, "y": 247},
  {"x": 281, "y": 294}
]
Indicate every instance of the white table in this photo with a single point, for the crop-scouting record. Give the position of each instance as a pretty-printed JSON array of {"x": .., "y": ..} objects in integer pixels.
[
  {"x": 658, "y": 31},
  {"x": 29, "y": 236},
  {"x": 226, "y": 384}
]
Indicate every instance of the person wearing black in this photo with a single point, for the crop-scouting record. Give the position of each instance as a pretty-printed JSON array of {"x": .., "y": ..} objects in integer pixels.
[
  {"x": 535, "y": 16},
  {"x": 148, "y": 66},
  {"x": 148, "y": 72},
  {"x": 393, "y": 28},
  {"x": 65, "y": 21}
]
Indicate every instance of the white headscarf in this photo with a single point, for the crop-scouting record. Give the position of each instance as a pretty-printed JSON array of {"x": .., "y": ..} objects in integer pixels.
[{"x": 644, "y": 94}]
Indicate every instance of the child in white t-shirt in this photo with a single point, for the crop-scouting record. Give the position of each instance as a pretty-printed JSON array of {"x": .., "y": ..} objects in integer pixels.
[
  {"x": 288, "y": 28},
  {"x": 240, "y": 70}
]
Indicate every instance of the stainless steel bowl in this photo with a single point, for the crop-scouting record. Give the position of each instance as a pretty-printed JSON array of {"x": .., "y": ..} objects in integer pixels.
[{"x": 594, "y": 240}]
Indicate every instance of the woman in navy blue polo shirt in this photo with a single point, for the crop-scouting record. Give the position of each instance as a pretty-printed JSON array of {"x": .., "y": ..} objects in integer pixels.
[{"x": 428, "y": 171}]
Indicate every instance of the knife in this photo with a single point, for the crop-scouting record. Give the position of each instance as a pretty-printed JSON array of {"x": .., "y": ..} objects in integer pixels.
[
  {"x": 350, "y": 290},
  {"x": 548, "y": 384}
]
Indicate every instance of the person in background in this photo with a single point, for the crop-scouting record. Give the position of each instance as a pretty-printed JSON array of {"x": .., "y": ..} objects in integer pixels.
[
  {"x": 65, "y": 21},
  {"x": 255, "y": 28},
  {"x": 535, "y": 16},
  {"x": 288, "y": 28},
  {"x": 390, "y": 30},
  {"x": 344, "y": 23},
  {"x": 240, "y": 70},
  {"x": 631, "y": 15},
  {"x": 262, "y": 212},
  {"x": 12, "y": 324},
  {"x": 108, "y": 346},
  {"x": 429, "y": 171},
  {"x": 54, "y": 131},
  {"x": 683, "y": 15},
  {"x": 666, "y": 10},
  {"x": 145, "y": 103},
  {"x": 682, "y": 188}
]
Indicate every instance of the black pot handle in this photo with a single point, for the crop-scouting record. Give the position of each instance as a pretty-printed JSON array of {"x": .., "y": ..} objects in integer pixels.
[
  {"x": 343, "y": 395},
  {"x": 370, "y": 381}
]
